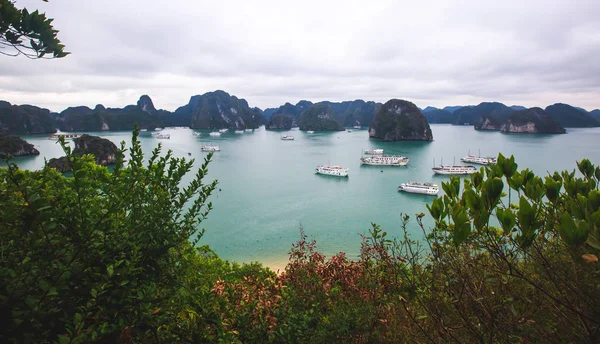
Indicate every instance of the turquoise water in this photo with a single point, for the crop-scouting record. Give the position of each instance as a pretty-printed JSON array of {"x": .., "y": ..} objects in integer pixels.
[{"x": 268, "y": 188}]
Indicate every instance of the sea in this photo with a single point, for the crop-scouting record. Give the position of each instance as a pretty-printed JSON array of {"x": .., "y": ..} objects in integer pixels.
[{"x": 268, "y": 190}]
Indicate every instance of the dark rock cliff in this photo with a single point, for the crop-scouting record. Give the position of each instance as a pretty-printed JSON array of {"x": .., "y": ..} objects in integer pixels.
[
  {"x": 104, "y": 151},
  {"x": 399, "y": 120},
  {"x": 15, "y": 146},
  {"x": 319, "y": 117}
]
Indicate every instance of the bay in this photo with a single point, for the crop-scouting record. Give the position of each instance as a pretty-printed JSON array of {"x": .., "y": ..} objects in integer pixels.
[{"x": 268, "y": 190}]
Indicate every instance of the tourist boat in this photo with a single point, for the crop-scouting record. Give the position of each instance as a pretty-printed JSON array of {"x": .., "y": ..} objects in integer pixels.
[
  {"x": 378, "y": 151},
  {"x": 239, "y": 131},
  {"x": 287, "y": 138},
  {"x": 384, "y": 160},
  {"x": 196, "y": 133},
  {"x": 208, "y": 148},
  {"x": 56, "y": 136},
  {"x": 337, "y": 171},
  {"x": 215, "y": 133},
  {"x": 357, "y": 127},
  {"x": 419, "y": 188},
  {"x": 163, "y": 136},
  {"x": 310, "y": 131},
  {"x": 158, "y": 129},
  {"x": 248, "y": 129},
  {"x": 143, "y": 129},
  {"x": 454, "y": 169},
  {"x": 349, "y": 130},
  {"x": 223, "y": 130},
  {"x": 480, "y": 160}
]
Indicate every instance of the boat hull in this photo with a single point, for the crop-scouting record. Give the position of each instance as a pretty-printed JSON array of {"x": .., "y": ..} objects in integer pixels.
[
  {"x": 452, "y": 173},
  {"x": 420, "y": 191}
]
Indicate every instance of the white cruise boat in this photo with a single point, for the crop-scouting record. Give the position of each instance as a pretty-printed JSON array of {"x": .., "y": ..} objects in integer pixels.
[
  {"x": 158, "y": 129},
  {"x": 480, "y": 160},
  {"x": 378, "y": 151},
  {"x": 56, "y": 136},
  {"x": 248, "y": 129},
  {"x": 208, "y": 148},
  {"x": 223, "y": 130},
  {"x": 310, "y": 131},
  {"x": 239, "y": 131},
  {"x": 337, "y": 171},
  {"x": 163, "y": 136},
  {"x": 357, "y": 127},
  {"x": 143, "y": 129},
  {"x": 349, "y": 130},
  {"x": 287, "y": 138},
  {"x": 215, "y": 133},
  {"x": 384, "y": 160},
  {"x": 454, "y": 169},
  {"x": 419, "y": 188},
  {"x": 196, "y": 133}
]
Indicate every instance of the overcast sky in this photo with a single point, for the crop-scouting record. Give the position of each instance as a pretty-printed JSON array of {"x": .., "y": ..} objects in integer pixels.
[{"x": 451, "y": 52}]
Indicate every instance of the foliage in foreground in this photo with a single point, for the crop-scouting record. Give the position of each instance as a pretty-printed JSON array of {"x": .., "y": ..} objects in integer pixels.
[
  {"x": 110, "y": 257},
  {"x": 29, "y": 34}
]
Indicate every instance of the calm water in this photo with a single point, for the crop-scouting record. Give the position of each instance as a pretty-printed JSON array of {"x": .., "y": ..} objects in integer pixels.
[{"x": 268, "y": 188}]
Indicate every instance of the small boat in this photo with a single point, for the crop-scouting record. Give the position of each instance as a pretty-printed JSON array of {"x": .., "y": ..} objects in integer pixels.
[
  {"x": 196, "y": 133},
  {"x": 143, "y": 129},
  {"x": 163, "y": 136},
  {"x": 208, "y": 148},
  {"x": 454, "y": 169},
  {"x": 378, "y": 151},
  {"x": 223, "y": 130},
  {"x": 480, "y": 160},
  {"x": 358, "y": 127},
  {"x": 419, "y": 188},
  {"x": 287, "y": 138},
  {"x": 215, "y": 133},
  {"x": 310, "y": 131},
  {"x": 385, "y": 160},
  {"x": 349, "y": 130},
  {"x": 56, "y": 136},
  {"x": 239, "y": 131},
  {"x": 248, "y": 130},
  {"x": 158, "y": 129},
  {"x": 337, "y": 171}
]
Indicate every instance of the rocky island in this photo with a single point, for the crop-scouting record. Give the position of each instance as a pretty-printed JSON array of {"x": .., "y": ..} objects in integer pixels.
[
  {"x": 319, "y": 117},
  {"x": 399, "y": 120},
  {"x": 280, "y": 122},
  {"x": 25, "y": 119},
  {"x": 104, "y": 151},
  {"x": 15, "y": 146},
  {"x": 529, "y": 121}
]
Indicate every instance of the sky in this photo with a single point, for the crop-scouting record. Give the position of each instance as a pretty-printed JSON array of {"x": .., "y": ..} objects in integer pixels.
[{"x": 430, "y": 52}]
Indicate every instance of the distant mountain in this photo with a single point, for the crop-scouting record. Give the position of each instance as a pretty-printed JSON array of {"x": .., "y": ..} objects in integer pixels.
[
  {"x": 595, "y": 114},
  {"x": 439, "y": 116},
  {"x": 293, "y": 110},
  {"x": 351, "y": 113},
  {"x": 82, "y": 118},
  {"x": 280, "y": 122},
  {"x": 451, "y": 109},
  {"x": 528, "y": 121},
  {"x": 24, "y": 120},
  {"x": 218, "y": 110},
  {"x": 268, "y": 113},
  {"x": 470, "y": 115},
  {"x": 570, "y": 117},
  {"x": 518, "y": 107},
  {"x": 319, "y": 117},
  {"x": 429, "y": 109}
]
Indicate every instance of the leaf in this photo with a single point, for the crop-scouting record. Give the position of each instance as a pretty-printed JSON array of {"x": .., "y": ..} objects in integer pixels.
[
  {"x": 155, "y": 312},
  {"x": 592, "y": 258}
]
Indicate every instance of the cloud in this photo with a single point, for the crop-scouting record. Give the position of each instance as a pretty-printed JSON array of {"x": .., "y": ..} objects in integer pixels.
[{"x": 432, "y": 52}]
